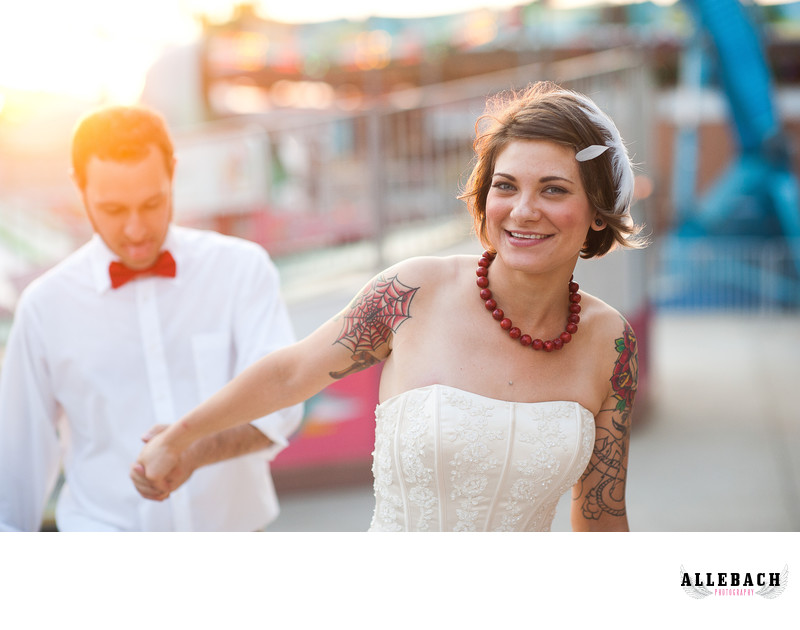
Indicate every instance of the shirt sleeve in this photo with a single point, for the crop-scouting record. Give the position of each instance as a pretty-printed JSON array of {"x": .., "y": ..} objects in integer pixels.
[
  {"x": 262, "y": 325},
  {"x": 29, "y": 446}
]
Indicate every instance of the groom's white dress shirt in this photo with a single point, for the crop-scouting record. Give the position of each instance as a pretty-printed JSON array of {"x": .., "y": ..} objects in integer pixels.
[{"x": 89, "y": 369}]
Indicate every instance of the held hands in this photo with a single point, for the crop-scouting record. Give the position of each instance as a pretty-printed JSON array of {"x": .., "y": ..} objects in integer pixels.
[{"x": 159, "y": 470}]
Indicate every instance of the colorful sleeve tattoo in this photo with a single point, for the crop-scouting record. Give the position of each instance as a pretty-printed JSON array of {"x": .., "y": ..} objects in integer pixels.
[{"x": 602, "y": 486}]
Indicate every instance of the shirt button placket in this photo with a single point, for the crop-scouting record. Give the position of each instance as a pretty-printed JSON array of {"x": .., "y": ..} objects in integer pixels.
[{"x": 158, "y": 378}]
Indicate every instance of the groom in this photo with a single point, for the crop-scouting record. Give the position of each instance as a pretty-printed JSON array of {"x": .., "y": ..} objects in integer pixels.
[{"x": 124, "y": 336}]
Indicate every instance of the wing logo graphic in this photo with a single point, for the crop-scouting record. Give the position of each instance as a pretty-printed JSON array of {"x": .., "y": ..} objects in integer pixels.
[
  {"x": 771, "y": 592},
  {"x": 695, "y": 589}
]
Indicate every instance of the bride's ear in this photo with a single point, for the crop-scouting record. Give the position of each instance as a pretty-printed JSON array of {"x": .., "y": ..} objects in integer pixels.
[{"x": 598, "y": 223}]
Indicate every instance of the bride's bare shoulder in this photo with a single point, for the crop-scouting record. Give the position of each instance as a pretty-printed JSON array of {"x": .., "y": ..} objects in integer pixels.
[
  {"x": 607, "y": 324},
  {"x": 430, "y": 271}
]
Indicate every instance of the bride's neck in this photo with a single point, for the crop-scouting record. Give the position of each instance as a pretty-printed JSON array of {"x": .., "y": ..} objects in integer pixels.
[{"x": 538, "y": 298}]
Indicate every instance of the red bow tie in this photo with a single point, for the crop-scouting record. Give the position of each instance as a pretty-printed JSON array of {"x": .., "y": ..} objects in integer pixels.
[{"x": 120, "y": 274}]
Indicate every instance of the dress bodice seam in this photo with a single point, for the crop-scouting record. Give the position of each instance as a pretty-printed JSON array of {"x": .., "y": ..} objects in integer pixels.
[
  {"x": 506, "y": 463},
  {"x": 556, "y": 486}
]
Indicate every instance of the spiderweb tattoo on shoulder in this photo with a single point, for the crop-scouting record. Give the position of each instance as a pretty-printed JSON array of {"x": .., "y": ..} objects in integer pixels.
[
  {"x": 607, "y": 467},
  {"x": 370, "y": 320}
]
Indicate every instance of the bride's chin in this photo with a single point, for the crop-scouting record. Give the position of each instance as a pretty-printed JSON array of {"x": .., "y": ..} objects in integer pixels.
[
  {"x": 529, "y": 264},
  {"x": 521, "y": 264}
]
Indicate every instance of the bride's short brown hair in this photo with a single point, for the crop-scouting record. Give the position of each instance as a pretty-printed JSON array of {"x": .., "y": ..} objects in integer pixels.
[{"x": 546, "y": 111}]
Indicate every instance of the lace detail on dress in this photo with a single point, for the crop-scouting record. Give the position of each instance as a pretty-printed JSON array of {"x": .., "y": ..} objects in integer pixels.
[
  {"x": 470, "y": 465},
  {"x": 542, "y": 465},
  {"x": 543, "y": 519},
  {"x": 418, "y": 476},
  {"x": 387, "y": 503},
  {"x": 451, "y": 460}
]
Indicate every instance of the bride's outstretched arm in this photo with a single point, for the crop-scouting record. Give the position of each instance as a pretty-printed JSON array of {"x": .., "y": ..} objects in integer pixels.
[{"x": 359, "y": 337}]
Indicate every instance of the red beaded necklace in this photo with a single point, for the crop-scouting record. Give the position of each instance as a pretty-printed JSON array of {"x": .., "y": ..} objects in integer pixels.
[{"x": 513, "y": 331}]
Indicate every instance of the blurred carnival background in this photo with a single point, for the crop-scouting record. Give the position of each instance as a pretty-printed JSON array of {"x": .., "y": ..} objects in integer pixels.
[{"x": 336, "y": 135}]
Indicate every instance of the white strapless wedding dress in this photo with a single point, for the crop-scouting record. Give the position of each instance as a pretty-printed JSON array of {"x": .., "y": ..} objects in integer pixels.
[{"x": 449, "y": 460}]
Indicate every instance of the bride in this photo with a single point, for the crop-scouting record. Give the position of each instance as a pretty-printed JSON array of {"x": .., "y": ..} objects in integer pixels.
[{"x": 504, "y": 385}]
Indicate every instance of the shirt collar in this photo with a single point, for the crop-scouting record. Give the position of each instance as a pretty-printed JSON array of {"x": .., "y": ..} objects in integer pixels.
[{"x": 101, "y": 257}]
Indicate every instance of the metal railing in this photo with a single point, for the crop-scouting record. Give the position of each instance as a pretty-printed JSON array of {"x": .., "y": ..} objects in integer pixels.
[
  {"x": 726, "y": 275},
  {"x": 314, "y": 180}
]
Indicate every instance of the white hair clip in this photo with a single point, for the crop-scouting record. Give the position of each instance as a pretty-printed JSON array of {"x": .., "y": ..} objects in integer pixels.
[
  {"x": 620, "y": 162},
  {"x": 591, "y": 152}
]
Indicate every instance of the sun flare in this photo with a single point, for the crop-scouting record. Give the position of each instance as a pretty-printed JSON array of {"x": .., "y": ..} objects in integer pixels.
[
  {"x": 101, "y": 50},
  {"x": 87, "y": 49}
]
